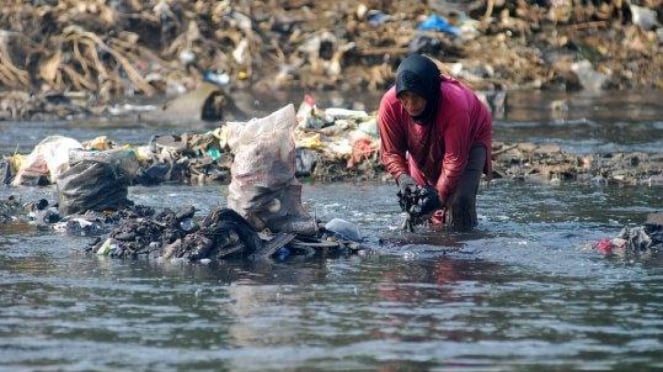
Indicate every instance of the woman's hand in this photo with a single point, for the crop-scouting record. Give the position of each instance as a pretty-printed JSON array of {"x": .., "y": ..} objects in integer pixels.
[{"x": 406, "y": 185}]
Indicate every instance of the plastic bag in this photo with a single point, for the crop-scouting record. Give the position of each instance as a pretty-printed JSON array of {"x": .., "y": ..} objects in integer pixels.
[
  {"x": 46, "y": 162},
  {"x": 91, "y": 184},
  {"x": 263, "y": 188}
]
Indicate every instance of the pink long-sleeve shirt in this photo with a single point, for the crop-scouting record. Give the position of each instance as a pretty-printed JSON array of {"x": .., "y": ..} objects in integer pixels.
[{"x": 439, "y": 150}]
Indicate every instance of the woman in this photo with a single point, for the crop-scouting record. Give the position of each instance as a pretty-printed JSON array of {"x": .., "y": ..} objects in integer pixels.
[{"x": 435, "y": 134}]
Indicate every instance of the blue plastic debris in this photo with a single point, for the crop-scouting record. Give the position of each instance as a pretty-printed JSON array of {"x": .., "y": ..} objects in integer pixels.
[
  {"x": 214, "y": 153},
  {"x": 282, "y": 254},
  {"x": 436, "y": 23}
]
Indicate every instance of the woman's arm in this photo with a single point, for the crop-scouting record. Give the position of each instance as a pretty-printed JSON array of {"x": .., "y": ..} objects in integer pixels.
[{"x": 393, "y": 140}]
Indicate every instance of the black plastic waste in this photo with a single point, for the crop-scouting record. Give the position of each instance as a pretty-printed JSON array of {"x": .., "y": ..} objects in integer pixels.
[{"x": 92, "y": 185}]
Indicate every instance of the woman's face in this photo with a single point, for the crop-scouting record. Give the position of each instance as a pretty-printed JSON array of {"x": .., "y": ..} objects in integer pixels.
[{"x": 413, "y": 103}]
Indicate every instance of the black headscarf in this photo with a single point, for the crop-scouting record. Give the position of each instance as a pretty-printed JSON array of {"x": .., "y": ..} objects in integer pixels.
[{"x": 420, "y": 75}]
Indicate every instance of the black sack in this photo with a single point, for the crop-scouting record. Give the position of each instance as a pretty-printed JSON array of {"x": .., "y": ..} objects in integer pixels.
[{"x": 92, "y": 185}]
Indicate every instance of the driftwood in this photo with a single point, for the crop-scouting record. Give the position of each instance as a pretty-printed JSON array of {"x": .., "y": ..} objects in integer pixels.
[{"x": 76, "y": 33}]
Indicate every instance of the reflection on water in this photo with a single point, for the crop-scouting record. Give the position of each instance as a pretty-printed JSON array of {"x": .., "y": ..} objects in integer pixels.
[{"x": 519, "y": 293}]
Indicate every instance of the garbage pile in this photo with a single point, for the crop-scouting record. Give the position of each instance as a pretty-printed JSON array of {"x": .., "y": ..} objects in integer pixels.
[
  {"x": 221, "y": 235},
  {"x": 110, "y": 49},
  {"x": 187, "y": 158}
]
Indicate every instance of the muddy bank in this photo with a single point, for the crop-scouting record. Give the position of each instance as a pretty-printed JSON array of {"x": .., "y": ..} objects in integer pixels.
[
  {"x": 548, "y": 163},
  {"x": 76, "y": 59},
  {"x": 528, "y": 162}
]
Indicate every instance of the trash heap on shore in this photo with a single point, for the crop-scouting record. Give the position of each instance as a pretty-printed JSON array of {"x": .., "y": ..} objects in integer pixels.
[{"x": 75, "y": 58}]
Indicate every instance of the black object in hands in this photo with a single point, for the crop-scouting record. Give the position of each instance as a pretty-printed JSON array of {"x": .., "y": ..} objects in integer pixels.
[
  {"x": 427, "y": 201},
  {"x": 417, "y": 202}
]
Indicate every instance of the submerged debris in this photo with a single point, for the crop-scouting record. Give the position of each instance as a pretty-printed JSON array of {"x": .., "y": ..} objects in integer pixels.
[
  {"x": 11, "y": 209},
  {"x": 38, "y": 212},
  {"x": 638, "y": 241}
]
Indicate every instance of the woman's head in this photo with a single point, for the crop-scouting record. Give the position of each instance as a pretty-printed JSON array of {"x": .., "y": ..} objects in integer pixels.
[{"x": 418, "y": 86}]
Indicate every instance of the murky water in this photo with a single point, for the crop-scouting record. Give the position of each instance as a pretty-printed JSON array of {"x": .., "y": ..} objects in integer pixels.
[{"x": 519, "y": 293}]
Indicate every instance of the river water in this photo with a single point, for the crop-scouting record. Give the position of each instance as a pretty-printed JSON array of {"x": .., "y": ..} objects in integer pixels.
[{"x": 521, "y": 292}]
